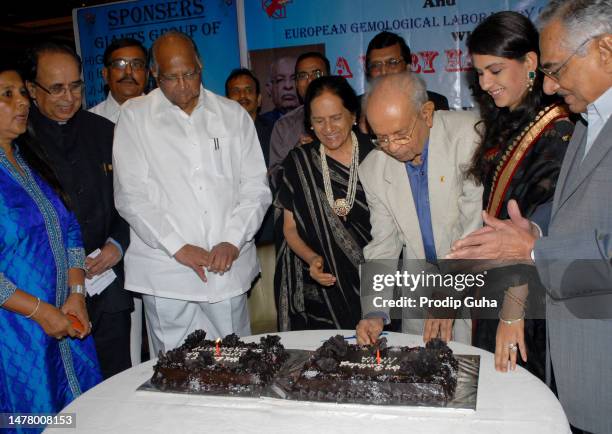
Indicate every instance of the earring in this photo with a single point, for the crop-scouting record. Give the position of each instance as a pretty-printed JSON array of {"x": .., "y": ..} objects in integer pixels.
[
  {"x": 531, "y": 75},
  {"x": 312, "y": 128}
]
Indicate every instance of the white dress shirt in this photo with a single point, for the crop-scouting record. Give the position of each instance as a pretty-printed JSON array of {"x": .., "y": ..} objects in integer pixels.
[
  {"x": 109, "y": 108},
  {"x": 598, "y": 113},
  {"x": 188, "y": 179}
]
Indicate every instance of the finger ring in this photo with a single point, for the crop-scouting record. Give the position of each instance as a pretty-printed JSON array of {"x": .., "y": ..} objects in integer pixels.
[{"x": 512, "y": 347}]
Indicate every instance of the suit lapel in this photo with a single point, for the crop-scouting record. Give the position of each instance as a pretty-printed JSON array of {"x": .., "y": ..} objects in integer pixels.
[
  {"x": 583, "y": 168},
  {"x": 569, "y": 161},
  {"x": 437, "y": 181},
  {"x": 402, "y": 204}
]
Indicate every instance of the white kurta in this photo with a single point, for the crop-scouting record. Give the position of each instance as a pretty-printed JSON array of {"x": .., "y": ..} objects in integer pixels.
[
  {"x": 109, "y": 109},
  {"x": 188, "y": 179}
]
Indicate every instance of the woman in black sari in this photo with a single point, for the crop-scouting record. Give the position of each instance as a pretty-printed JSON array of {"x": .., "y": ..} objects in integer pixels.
[{"x": 325, "y": 218}]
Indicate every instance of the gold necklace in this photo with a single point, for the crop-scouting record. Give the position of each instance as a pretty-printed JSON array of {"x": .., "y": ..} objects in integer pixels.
[{"x": 341, "y": 206}]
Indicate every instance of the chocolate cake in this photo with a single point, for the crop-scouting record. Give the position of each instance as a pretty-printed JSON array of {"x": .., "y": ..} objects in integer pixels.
[
  {"x": 234, "y": 368},
  {"x": 377, "y": 374}
]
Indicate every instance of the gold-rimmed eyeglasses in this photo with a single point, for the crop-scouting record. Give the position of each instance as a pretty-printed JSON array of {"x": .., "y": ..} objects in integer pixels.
[
  {"x": 174, "y": 78},
  {"x": 402, "y": 139},
  {"x": 391, "y": 64}
]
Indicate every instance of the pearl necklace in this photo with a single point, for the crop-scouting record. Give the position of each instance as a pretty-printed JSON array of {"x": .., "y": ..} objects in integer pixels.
[{"x": 341, "y": 206}]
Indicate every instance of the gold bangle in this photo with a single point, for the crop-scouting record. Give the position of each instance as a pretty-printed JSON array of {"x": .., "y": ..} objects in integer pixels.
[
  {"x": 35, "y": 309},
  {"x": 511, "y": 321}
]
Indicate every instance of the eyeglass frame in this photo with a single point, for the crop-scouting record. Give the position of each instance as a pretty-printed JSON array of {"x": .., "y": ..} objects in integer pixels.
[
  {"x": 387, "y": 140},
  {"x": 387, "y": 63},
  {"x": 74, "y": 88},
  {"x": 174, "y": 78},
  {"x": 305, "y": 75},
  {"x": 556, "y": 74},
  {"x": 127, "y": 62}
]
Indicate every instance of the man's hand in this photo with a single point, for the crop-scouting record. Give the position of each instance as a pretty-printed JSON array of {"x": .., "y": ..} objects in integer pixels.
[
  {"x": 368, "y": 330},
  {"x": 435, "y": 327},
  {"x": 317, "y": 273},
  {"x": 510, "y": 240},
  {"x": 222, "y": 256},
  {"x": 195, "y": 258},
  {"x": 75, "y": 305},
  {"x": 108, "y": 257}
]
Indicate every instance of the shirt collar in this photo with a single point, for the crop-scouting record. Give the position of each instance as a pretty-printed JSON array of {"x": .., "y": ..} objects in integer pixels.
[{"x": 601, "y": 108}]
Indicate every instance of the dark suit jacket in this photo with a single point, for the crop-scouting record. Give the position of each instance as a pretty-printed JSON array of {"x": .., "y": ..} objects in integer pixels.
[{"x": 80, "y": 152}]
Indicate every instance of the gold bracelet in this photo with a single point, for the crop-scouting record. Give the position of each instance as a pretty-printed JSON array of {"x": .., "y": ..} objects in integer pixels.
[
  {"x": 35, "y": 309},
  {"x": 511, "y": 321}
]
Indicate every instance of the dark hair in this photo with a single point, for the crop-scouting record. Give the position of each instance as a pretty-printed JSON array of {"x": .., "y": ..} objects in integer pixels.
[
  {"x": 123, "y": 43},
  {"x": 384, "y": 40},
  {"x": 240, "y": 72},
  {"x": 315, "y": 54},
  {"x": 335, "y": 85},
  {"x": 32, "y": 153},
  {"x": 30, "y": 64},
  {"x": 509, "y": 35}
]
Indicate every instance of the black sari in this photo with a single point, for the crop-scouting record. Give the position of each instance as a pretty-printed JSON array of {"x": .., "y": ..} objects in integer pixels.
[
  {"x": 301, "y": 302},
  {"x": 530, "y": 178}
]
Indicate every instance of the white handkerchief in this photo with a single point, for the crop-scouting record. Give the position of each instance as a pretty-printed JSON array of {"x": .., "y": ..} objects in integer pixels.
[{"x": 99, "y": 283}]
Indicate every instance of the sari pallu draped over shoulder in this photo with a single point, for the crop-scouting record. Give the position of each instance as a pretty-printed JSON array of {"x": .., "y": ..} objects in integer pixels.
[{"x": 301, "y": 302}]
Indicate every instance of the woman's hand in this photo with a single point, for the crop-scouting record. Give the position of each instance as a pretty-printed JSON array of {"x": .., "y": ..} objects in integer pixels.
[
  {"x": 54, "y": 322},
  {"x": 316, "y": 272},
  {"x": 509, "y": 337},
  {"x": 75, "y": 305}
]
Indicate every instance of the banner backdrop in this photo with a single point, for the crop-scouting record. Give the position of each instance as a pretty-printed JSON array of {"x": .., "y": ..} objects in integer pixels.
[
  {"x": 211, "y": 23},
  {"x": 435, "y": 30}
]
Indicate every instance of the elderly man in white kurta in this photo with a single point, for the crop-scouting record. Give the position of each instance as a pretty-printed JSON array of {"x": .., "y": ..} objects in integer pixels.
[{"x": 190, "y": 179}]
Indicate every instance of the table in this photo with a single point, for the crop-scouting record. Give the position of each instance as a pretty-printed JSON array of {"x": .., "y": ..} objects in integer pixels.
[{"x": 507, "y": 403}]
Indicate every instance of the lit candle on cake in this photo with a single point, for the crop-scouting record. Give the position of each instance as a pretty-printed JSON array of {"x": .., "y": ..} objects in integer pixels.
[
  {"x": 378, "y": 356},
  {"x": 217, "y": 348}
]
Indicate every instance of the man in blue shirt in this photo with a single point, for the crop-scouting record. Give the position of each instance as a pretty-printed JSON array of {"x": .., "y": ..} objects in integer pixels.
[{"x": 420, "y": 200}]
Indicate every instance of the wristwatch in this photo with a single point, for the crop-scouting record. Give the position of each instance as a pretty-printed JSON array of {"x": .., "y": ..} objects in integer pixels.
[{"x": 78, "y": 289}]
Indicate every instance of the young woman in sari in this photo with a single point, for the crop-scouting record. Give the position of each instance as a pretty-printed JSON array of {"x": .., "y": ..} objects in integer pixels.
[
  {"x": 326, "y": 221},
  {"x": 46, "y": 358},
  {"x": 524, "y": 135}
]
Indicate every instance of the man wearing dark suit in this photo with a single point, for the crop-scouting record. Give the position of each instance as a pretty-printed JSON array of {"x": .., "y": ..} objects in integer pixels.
[
  {"x": 388, "y": 53},
  {"x": 78, "y": 145},
  {"x": 574, "y": 257}
]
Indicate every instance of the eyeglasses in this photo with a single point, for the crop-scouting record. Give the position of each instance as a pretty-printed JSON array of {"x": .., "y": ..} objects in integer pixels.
[
  {"x": 305, "y": 75},
  {"x": 75, "y": 88},
  {"x": 174, "y": 78},
  {"x": 392, "y": 63},
  {"x": 135, "y": 64},
  {"x": 402, "y": 139},
  {"x": 556, "y": 74}
]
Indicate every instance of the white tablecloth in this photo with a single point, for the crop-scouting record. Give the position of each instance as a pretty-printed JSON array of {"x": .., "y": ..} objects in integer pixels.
[{"x": 515, "y": 402}]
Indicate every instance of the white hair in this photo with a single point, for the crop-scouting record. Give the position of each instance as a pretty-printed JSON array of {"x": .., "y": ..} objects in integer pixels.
[
  {"x": 582, "y": 19},
  {"x": 407, "y": 83}
]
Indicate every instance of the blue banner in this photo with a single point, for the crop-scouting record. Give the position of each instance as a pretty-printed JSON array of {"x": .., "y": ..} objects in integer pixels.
[
  {"x": 211, "y": 23},
  {"x": 435, "y": 30}
]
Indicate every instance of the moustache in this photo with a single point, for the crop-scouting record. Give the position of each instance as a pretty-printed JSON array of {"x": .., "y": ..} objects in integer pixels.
[{"x": 127, "y": 79}]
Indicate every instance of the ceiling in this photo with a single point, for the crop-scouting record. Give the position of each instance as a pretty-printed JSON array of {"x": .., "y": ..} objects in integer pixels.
[{"x": 26, "y": 23}]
